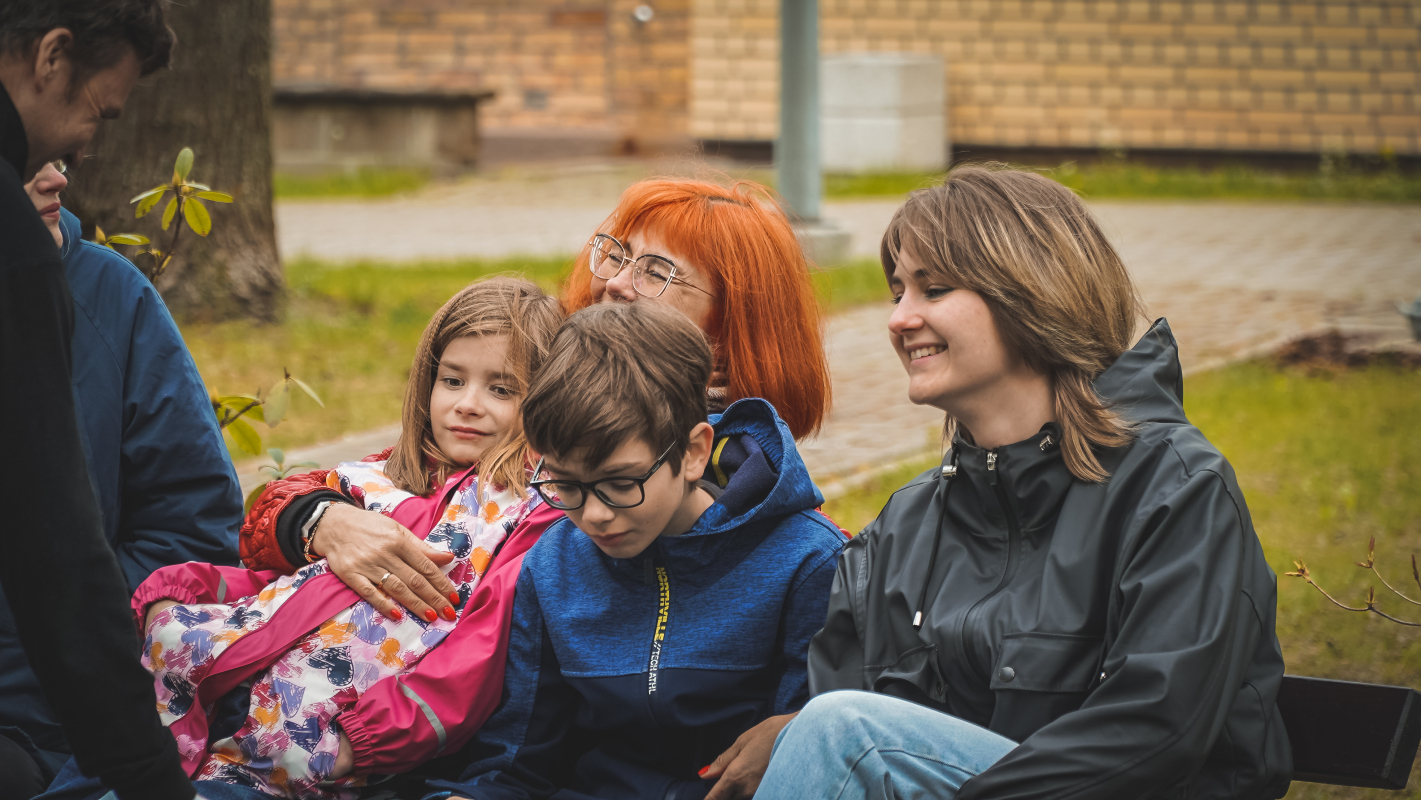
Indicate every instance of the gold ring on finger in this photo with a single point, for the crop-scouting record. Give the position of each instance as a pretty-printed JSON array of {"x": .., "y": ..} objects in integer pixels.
[{"x": 380, "y": 584}]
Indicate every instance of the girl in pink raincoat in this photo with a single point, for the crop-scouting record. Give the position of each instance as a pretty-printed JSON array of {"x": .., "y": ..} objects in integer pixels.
[{"x": 282, "y": 684}]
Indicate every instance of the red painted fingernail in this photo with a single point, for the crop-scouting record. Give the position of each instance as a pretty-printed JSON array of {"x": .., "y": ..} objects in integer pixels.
[
  {"x": 396, "y": 615},
  {"x": 449, "y": 613},
  {"x": 704, "y": 770},
  {"x": 430, "y": 615},
  {"x": 454, "y": 598}
]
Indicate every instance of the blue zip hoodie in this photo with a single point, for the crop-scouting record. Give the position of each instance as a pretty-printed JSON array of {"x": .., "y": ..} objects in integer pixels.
[
  {"x": 160, "y": 470},
  {"x": 626, "y": 676}
]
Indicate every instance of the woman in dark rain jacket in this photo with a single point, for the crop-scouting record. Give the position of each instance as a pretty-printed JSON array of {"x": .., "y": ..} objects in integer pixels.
[{"x": 1074, "y": 604}]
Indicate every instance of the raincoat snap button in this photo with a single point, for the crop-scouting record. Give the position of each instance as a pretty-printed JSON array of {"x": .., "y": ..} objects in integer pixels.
[{"x": 1006, "y": 674}]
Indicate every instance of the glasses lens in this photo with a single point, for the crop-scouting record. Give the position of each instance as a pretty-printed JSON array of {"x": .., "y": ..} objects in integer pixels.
[
  {"x": 607, "y": 257},
  {"x": 60, "y": 166},
  {"x": 561, "y": 495},
  {"x": 652, "y": 275},
  {"x": 620, "y": 493}
]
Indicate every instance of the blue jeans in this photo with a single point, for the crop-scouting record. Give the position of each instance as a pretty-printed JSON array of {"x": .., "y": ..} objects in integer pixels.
[{"x": 860, "y": 745}]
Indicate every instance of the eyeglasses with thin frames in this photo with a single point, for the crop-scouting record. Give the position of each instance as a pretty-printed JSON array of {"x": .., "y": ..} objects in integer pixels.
[
  {"x": 619, "y": 492},
  {"x": 651, "y": 274}
]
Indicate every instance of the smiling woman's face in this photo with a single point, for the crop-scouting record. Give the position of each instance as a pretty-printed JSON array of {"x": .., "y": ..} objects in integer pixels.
[
  {"x": 44, "y": 193},
  {"x": 946, "y": 338},
  {"x": 697, "y": 306}
]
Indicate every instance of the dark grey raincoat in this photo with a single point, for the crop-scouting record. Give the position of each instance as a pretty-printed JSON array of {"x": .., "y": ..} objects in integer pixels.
[{"x": 1122, "y": 632}]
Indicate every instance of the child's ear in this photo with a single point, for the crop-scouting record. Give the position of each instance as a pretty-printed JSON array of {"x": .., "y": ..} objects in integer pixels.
[{"x": 698, "y": 452}]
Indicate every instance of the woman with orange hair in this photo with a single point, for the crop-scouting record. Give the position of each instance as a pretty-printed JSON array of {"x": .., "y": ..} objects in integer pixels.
[{"x": 728, "y": 259}]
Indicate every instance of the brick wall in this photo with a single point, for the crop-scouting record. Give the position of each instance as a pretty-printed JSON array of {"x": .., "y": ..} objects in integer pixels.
[
  {"x": 571, "y": 64},
  {"x": 1225, "y": 74}
]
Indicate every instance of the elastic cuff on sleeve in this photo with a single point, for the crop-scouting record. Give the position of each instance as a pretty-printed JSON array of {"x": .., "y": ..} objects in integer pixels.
[
  {"x": 362, "y": 744},
  {"x": 150, "y": 593}
]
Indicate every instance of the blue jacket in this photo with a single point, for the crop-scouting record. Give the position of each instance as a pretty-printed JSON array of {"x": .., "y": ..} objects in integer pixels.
[
  {"x": 625, "y": 677},
  {"x": 160, "y": 469}
]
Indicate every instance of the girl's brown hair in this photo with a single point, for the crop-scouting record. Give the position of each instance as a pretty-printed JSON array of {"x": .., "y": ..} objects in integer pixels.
[
  {"x": 1057, "y": 290},
  {"x": 764, "y": 327},
  {"x": 488, "y": 307}
]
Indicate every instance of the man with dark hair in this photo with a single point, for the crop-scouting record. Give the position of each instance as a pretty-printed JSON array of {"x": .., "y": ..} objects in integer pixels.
[{"x": 64, "y": 66}]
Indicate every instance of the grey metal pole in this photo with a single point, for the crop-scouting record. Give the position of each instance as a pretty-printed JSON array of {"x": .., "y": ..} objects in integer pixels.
[{"x": 797, "y": 149}]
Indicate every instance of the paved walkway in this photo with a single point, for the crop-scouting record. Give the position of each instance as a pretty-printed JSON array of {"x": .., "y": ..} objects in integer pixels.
[{"x": 1233, "y": 279}]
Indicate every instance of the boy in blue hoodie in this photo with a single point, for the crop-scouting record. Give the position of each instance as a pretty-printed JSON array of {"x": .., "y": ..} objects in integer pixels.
[{"x": 672, "y": 610}]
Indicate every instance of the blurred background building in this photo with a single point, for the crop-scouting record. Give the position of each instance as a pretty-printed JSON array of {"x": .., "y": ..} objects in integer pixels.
[{"x": 596, "y": 77}]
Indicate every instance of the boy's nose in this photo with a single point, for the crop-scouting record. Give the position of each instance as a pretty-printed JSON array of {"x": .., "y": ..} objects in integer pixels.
[{"x": 595, "y": 511}]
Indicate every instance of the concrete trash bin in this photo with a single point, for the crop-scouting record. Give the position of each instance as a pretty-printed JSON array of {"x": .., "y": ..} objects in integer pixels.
[{"x": 883, "y": 112}]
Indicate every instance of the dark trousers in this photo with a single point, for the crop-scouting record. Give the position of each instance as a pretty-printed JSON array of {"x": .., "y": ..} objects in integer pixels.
[{"x": 20, "y": 776}]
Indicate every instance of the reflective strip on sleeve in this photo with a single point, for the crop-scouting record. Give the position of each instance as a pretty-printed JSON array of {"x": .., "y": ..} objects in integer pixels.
[{"x": 429, "y": 715}]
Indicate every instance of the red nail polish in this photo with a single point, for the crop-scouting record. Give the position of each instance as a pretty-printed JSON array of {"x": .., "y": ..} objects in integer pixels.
[
  {"x": 430, "y": 615},
  {"x": 449, "y": 613},
  {"x": 396, "y": 614},
  {"x": 704, "y": 770},
  {"x": 454, "y": 598}
]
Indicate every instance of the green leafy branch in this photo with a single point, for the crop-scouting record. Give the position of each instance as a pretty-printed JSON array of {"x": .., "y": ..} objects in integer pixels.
[
  {"x": 269, "y": 410},
  {"x": 1371, "y": 601},
  {"x": 185, "y": 206}
]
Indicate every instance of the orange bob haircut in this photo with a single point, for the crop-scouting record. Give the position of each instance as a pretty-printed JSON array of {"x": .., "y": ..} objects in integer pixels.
[{"x": 764, "y": 327}]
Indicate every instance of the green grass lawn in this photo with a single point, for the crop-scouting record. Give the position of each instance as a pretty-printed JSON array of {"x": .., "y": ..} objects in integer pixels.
[
  {"x": 1326, "y": 461},
  {"x": 1128, "y": 180},
  {"x": 365, "y": 182}
]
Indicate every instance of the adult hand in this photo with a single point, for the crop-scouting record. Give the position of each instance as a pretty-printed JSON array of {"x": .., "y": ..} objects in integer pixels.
[
  {"x": 153, "y": 611},
  {"x": 737, "y": 772},
  {"x": 362, "y": 546}
]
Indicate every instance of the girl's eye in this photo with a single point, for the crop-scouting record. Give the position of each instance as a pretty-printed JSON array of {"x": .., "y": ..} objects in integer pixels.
[
  {"x": 897, "y": 298},
  {"x": 452, "y": 383},
  {"x": 937, "y": 291},
  {"x": 501, "y": 391}
]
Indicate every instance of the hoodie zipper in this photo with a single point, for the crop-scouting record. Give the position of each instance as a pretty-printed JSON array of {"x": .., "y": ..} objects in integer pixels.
[
  {"x": 1008, "y": 572},
  {"x": 663, "y": 610}
]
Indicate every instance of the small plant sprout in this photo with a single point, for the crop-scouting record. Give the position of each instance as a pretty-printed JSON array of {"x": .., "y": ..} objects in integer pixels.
[
  {"x": 1371, "y": 601},
  {"x": 185, "y": 206},
  {"x": 278, "y": 469}
]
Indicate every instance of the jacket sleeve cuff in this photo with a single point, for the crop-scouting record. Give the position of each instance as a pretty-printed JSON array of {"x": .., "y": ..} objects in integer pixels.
[
  {"x": 361, "y": 742},
  {"x": 151, "y": 592},
  {"x": 288, "y": 524}
]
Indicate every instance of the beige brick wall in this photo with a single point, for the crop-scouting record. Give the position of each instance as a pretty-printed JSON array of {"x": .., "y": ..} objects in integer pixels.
[
  {"x": 578, "y": 64},
  {"x": 1225, "y": 74}
]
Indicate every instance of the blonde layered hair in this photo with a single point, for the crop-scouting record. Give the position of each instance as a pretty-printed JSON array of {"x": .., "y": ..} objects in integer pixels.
[
  {"x": 489, "y": 307},
  {"x": 1058, "y": 292}
]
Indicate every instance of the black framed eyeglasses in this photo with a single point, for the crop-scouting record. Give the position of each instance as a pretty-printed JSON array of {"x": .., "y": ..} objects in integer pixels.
[
  {"x": 613, "y": 492},
  {"x": 651, "y": 274}
]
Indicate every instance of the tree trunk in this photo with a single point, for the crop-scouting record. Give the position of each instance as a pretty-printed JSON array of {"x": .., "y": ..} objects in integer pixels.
[{"x": 216, "y": 99}]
